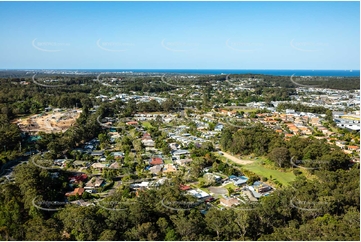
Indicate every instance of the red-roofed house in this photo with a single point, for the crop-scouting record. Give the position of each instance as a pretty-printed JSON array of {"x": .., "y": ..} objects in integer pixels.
[
  {"x": 353, "y": 148},
  {"x": 78, "y": 178},
  {"x": 78, "y": 191},
  {"x": 156, "y": 161},
  {"x": 132, "y": 123},
  {"x": 184, "y": 187},
  {"x": 146, "y": 136}
]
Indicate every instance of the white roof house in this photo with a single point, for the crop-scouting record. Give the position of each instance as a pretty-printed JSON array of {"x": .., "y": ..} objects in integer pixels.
[{"x": 198, "y": 193}]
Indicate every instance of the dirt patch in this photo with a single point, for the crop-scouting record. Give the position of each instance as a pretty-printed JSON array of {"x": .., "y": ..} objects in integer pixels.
[
  {"x": 236, "y": 160},
  {"x": 53, "y": 121}
]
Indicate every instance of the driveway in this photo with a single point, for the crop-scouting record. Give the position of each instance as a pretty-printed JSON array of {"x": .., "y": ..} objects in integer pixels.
[{"x": 218, "y": 190}]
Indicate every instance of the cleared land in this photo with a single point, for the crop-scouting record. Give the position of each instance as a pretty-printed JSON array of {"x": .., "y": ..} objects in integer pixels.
[
  {"x": 256, "y": 166},
  {"x": 283, "y": 177},
  {"x": 237, "y": 160},
  {"x": 49, "y": 122}
]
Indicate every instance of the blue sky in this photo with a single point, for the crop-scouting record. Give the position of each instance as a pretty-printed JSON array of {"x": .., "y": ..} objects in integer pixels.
[{"x": 180, "y": 35}]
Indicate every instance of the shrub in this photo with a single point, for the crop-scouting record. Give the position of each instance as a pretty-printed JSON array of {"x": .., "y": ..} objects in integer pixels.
[{"x": 297, "y": 172}]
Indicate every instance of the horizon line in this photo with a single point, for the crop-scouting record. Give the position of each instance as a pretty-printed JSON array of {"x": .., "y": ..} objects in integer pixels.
[{"x": 172, "y": 69}]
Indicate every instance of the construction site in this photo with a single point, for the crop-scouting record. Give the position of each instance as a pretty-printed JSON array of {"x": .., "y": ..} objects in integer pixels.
[{"x": 57, "y": 120}]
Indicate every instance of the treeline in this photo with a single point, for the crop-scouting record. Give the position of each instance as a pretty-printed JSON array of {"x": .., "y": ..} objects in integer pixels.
[
  {"x": 307, "y": 152},
  {"x": 340, "y": 83},
  {"x": 325, "y": 208},
  {"x": 17, "y": 99},
  {"x": 10, "y": 138},
  {"x": 302, "y": 108},
  {"x": 345, "y": 83}
]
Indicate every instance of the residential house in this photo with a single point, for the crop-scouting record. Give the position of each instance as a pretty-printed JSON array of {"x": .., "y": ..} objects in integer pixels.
[
  {"x": 59, "y": 162},
  {"x": 229, "y": 113},
  {"x": 79, "y": 163},
  {"x": 156, "y": 169},
  {"x": 239, "y": 181},
  {"x": 97, "y": 153},
  {"x": 218, "y": 127},
  {"x": 198, "y": 194},
  {"x": 148, "y": 143},
  {"x": 179, "y": 153},
  {"x": 183, "y": 162},
  {"x": 288, "y": 136},
  {"x": 78, "y": 178},
  {"x": 230, "y": 202},
  {"x": 143, "y": 184},
  {"x": 254, "y": 193},
  {"x": 174, "y": 146},
  {"x": 169, "y": 168},
  {"x": 114, "y": 165},
  {"x": 78, "y": 191},
  {"x": 353, "y": 148},
  {"x": 184, "y": 187},
  {"x": 93, "y": 183},
  {"x": 305, "y": 130},
  {"x": 250, "y": 195},
  {"x": 212, "y": 177},
  {"x": 99, "y": 166},
  {"x": 261, "y": 187},
  {"x": 156, "y": 161},
  {"x": 146, "y": 136},
  {"x": 341, "y": 144},
  {"x": 134, "y": 123},
  {"x": 117, "y": 155}
]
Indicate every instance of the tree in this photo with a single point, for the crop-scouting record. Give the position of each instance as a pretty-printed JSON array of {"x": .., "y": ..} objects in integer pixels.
[
  {"x": 108, "y": 235},
  {"x": 38, "y": 228},
  {"x": 281, "y": 156}
]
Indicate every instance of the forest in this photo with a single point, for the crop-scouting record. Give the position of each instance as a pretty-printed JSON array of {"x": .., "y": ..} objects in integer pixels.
[
  {"x": 323, "y": 203},
  {"x": 323, "y": 208}
]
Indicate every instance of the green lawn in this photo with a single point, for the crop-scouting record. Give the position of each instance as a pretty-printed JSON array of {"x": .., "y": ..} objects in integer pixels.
[
  {"x": 283, "y": 177},
  {"x": 230, "y": 185},
  {"x": 205, "y": 190},
  {"x": 146, "y": 124}
]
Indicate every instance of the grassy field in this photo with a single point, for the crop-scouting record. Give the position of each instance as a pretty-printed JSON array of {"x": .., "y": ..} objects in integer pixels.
[
  {"x": 146, "y": 124},
  {"x": 283, "y": 177}
]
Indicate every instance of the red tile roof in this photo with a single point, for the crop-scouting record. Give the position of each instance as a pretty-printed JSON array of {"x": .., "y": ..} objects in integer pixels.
[
  {"x": 132, "y": 123},
  {"x": 184, "y": 187},
  {"x": 79, "y": 191},
  {"x": 156, "y": 161}
]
